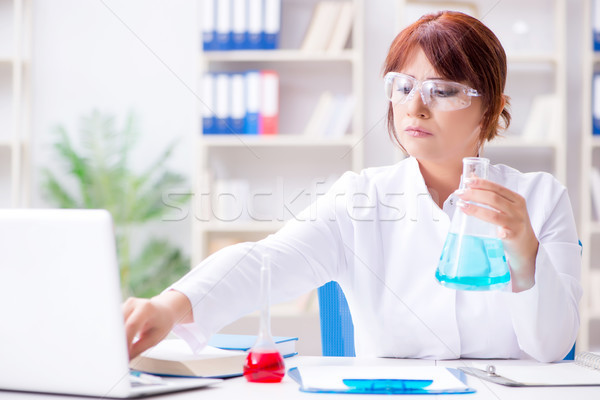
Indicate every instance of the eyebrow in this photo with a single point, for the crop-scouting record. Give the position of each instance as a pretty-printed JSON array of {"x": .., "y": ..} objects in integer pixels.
[{"x": 427, "y": 79}]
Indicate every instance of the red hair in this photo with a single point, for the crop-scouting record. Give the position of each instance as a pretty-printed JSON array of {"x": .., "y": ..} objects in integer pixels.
[{"x": 462, "y": 49}]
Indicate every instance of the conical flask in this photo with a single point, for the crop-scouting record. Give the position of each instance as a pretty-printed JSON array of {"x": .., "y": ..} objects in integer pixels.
[
  {"x": 264, "y": 363},
  {"x": 473, "y": 255}
]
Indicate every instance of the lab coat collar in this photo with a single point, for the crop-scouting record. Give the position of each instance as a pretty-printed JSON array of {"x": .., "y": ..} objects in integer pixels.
[{"x": 419, "y": 201}]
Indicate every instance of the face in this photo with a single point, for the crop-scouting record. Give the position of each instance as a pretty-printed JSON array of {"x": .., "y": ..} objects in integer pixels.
[{"x": 432, "y": 135}]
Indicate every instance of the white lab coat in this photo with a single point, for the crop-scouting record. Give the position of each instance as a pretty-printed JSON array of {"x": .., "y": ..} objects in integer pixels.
[{"x": 380, "y": 235}]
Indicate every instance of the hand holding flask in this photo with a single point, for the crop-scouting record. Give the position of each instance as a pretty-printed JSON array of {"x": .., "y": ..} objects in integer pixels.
[{"x": 473, "y": 256}]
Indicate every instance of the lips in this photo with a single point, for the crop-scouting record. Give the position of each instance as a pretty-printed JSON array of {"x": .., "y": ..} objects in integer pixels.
[{"x": 417, "y": 132}]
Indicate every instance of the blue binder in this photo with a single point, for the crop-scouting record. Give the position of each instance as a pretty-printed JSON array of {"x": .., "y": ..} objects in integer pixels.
[
  {"x": 251, "y": 120},
  {"x": 596, "y": 24},
  {"x": 596, "y": 103},
  {"x": 209, "y": 41},
  {"x": 271, "y": 24}
]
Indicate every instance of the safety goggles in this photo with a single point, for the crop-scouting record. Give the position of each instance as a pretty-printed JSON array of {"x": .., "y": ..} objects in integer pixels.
[{"x": 436, "y": 93}]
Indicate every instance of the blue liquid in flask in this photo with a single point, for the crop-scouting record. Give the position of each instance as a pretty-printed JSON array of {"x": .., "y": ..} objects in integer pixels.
[{"x": 475, "y": 263}]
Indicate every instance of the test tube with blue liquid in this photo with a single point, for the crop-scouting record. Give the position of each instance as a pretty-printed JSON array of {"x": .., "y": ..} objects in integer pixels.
[{"x": 473, "y": 256}]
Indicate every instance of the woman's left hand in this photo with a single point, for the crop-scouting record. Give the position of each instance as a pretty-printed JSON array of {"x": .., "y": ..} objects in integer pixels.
[{"x": 514, "y": 227}]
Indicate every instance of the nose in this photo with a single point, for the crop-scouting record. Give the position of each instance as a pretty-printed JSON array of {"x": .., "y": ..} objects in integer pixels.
[{"x": 415, "y": 105}]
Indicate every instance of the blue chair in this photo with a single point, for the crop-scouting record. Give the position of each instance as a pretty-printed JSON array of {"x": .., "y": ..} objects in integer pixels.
[{"x": 337, "y": 329}]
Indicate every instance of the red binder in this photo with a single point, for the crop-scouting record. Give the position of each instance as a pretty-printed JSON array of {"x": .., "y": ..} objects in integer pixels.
[{"x": 269, "y": 105}]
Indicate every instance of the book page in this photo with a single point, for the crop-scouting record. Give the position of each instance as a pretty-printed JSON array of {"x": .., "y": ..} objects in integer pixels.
[{"x": 178, "y": 350}]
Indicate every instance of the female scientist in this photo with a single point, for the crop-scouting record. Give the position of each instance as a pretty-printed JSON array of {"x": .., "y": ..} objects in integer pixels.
[{"x": 380, "y": 233}]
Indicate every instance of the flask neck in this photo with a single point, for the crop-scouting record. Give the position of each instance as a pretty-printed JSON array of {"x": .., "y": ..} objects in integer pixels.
[
  {"x": 264, "y": 333},
  {"x": 473, "y": 167}
]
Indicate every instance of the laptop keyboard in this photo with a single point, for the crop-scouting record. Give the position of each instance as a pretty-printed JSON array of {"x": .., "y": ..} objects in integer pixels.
[
  {"x": 139, "y": 379},
  {"x": 135, "y": 383}
]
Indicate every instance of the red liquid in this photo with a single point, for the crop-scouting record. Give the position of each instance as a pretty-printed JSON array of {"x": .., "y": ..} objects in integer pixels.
[{"x": 264, "y": 367}]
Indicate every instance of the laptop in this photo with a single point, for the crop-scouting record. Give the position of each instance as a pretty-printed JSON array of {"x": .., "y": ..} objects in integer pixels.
[{"x": 61, "y": 324}]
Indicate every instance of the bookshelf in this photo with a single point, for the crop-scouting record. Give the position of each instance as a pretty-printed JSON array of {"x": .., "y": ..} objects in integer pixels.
[
  {"x": 15, "y": 28},
  {"x": 534, "y": 41},
  {"x": 306, "y": 164},
  {"x": 589, "y": 226}
]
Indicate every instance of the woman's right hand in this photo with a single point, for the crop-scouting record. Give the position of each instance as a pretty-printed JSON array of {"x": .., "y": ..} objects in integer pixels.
[{"x": 148, "y": 321}]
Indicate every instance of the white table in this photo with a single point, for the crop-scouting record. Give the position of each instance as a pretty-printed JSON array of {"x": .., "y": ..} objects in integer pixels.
[{"x": 238, "y": 388}]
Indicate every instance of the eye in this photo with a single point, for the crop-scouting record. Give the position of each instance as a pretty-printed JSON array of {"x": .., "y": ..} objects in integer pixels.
[
  {"x": 444, "y": 90},
  {"x": 403, "y": 87}
]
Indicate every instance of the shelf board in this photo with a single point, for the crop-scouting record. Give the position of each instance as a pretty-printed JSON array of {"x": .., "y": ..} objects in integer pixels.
[
  {"x": 276, "y": 55},
  {"x": 274, "y": 141},
  {"x": 6, "y": 60},
  {"x": 242, "y": 227},
  {"x": 521, "y": 142},
  {"x": 539, "y": 58},
  {"x": 595, "y": 141}
]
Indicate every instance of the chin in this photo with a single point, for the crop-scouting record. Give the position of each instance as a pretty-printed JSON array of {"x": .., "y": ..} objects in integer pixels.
[{"x": 418, "y": 151}]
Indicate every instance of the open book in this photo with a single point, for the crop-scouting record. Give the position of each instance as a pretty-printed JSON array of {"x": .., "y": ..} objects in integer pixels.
[{"x": 173, "y": 357}]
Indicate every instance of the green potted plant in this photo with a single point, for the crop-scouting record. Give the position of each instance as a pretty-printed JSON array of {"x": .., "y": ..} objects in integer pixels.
[{"x": 99, "y": 175}]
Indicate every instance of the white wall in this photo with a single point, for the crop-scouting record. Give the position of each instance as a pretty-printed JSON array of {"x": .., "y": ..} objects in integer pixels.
[
  {"x": 116, "y": 56},
  {"x": 139, "y": 55}
]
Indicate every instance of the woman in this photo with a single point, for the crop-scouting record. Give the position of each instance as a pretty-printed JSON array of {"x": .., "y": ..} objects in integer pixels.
[{"x": 380, "y": 233}]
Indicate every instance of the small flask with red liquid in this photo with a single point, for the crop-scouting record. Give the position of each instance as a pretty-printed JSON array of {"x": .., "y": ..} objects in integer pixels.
[{"x": 264, "y": 362}]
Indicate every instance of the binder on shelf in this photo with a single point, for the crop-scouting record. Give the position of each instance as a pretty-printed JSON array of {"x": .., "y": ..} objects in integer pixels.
[
  {"x": 272, "y": 24},
  {"x": 208, "y": 105},
  {"x": 340, "y": 117},
  {"x": 252, "y": 102},
  {"x": 255, "y": 24},
  {"x": 207, "y": 8},
  {"x": 594, "y": 279},
  {"x": 269, "y": 102},
  {"x": 237, "y": 98},
  {"x": 595, "y": 188},
  {"x": 222, "y": 103},
  {"x": 239, "y": 25},
  {"x": 596, "y": 24},
  {"x": 543, "y": 119},
  {"x": 342, "y": 29},
  {"x": 223, "y": 25},
  {"x": 320, "y": 29},
  {"x": 320, "y": 116},
  {"x": 596, "y": 104},
  {"x": 230, "y": 200}
]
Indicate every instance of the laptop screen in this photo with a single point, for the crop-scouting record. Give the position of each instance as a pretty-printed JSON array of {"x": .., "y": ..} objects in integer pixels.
[{"x": 62, "y": 326}]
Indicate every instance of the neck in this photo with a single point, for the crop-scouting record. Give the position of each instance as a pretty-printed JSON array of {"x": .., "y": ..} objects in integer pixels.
[{"x": 441, "y": 179}]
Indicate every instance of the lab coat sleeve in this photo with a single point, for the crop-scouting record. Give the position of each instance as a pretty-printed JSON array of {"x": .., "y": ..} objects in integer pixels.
[
  {"x": 546, "y": 316},
  {"x": 305, "y": 254}
]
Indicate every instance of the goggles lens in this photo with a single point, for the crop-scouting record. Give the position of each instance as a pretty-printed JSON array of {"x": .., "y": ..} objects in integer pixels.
[{"x": 436, "y": 94}]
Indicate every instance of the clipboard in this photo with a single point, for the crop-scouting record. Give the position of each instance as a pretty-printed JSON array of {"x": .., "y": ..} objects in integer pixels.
[
  {"x": 569, "y": 379},
  {"x": 385, "y": 385}
]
